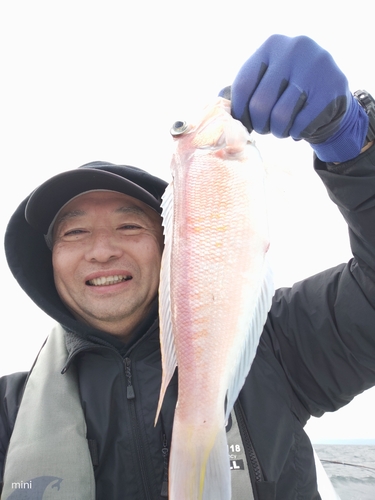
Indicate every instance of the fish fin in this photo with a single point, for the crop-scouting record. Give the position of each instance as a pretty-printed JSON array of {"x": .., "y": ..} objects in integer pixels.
[
  {"x": 199, "y": 464},
  {"x": 168, "y": 350},
  {"x": 236, "y": 137},
  {"x": 217, "y": 484},
  {"x": 255, "y": 328}
]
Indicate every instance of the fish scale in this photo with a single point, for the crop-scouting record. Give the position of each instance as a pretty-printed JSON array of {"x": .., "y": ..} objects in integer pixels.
[{"x": 215, "y": 292}]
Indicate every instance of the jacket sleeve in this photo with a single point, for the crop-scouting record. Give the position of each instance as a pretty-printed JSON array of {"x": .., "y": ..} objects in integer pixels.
[
  {"x": 11, "y": 390},
  {"x": 322, "y": 330}
]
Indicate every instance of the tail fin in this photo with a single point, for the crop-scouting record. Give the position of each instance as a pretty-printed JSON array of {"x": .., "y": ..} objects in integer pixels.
[{"x": 199, "y": 466}]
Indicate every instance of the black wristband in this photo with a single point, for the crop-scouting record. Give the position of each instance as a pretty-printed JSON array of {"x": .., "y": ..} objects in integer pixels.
[{"x": 368, "y": 104}]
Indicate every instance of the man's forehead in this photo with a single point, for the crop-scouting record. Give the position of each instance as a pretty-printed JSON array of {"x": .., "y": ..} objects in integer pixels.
[
  {"x": 72, "y": 214},
  {"x": 117, "y": 202}
]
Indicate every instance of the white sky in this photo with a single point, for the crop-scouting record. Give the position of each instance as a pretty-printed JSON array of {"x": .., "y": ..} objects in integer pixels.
[{"x": 89, "y": 80}]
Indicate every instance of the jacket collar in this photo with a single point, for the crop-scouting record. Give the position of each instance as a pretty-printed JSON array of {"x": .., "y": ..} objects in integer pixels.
[{"x": 84, "y": 338}]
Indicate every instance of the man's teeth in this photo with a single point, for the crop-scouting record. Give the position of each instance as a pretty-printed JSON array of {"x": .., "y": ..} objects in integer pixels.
[{"x": 108, "y": 280}]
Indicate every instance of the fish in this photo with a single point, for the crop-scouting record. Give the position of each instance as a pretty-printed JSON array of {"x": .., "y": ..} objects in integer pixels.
[{"x": 215, "y": 291}]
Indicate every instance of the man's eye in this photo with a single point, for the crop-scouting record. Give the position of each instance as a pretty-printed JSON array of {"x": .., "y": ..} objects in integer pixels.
[
  {"x": 129, "y": 227},
  {"x": 74, "y": 232}
]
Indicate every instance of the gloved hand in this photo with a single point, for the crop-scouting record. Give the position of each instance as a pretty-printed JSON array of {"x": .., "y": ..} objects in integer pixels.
[{"x": 293, "y": 87}]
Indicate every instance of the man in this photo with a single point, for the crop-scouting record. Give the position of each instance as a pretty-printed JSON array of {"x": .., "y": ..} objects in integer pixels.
[{"x": 86, "y": 247}]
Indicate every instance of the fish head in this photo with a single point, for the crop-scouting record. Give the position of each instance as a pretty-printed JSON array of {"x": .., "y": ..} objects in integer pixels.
[{"x": 215, "y": 132}]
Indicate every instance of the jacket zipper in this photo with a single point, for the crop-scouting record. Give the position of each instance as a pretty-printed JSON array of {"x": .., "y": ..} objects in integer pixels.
[
  {"x": 251, "y": 457},
  {"x": 165, "y": 453},
  {"x": 138, "y": 439}
]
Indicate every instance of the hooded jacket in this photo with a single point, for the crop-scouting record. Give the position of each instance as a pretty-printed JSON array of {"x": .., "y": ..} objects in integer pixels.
[{"x": 317, "y": 352}]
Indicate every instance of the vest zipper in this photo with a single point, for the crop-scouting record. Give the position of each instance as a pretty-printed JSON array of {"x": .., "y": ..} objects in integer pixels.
[
  {"x": 137, "y": 434},
  {"x": 252, "y": 460}
]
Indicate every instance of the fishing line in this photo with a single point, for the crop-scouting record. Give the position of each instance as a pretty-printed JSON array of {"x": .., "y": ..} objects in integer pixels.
[{"x": 345, "y": 463}]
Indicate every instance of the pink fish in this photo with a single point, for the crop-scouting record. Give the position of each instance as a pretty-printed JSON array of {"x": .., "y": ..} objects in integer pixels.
[{"x": 215, "y": 292}]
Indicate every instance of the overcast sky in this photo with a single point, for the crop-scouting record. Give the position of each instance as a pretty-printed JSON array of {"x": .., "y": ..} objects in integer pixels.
[{"x": 90, "y": 80}]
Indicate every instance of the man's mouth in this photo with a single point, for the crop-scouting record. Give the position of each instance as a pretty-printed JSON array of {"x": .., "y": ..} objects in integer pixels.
[{"x": 108, "y": 280}]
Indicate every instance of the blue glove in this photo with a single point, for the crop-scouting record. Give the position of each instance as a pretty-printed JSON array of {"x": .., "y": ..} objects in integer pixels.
[{"x": 293, "y": 87}]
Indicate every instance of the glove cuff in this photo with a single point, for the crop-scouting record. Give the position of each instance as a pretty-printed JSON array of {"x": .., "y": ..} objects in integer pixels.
[{"x": 348, "y": 141}]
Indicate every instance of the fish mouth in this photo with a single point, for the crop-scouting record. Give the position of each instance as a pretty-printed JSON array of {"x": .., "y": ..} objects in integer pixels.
[{"x": 108, "y": 280}]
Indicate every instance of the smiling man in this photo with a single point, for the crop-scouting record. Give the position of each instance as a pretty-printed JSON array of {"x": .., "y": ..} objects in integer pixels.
[
  {"x": 89, "y": 242},
  {"x": 86, "y": 246}
]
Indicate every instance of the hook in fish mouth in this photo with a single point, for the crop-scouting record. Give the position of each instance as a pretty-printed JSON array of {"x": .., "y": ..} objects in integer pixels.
[{"x": 179, "y": 128}]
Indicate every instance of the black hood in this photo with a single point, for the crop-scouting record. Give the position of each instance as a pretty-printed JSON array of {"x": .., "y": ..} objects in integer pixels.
[{"x": 30, "y": 259}]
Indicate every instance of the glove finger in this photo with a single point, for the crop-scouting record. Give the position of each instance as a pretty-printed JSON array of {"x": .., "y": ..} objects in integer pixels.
[
  {"x": 265, "y": 98},
  {"x": 243, "y": 87},
  {"x": 251, "y": 76},
  {"x": 288, "y": 106}
]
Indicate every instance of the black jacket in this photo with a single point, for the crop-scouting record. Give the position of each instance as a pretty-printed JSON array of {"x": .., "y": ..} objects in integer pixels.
[{"x": 316, "y": 353}]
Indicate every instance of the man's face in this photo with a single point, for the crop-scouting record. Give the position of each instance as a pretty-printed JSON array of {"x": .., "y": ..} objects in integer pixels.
[{"x": 106, "y": 258}]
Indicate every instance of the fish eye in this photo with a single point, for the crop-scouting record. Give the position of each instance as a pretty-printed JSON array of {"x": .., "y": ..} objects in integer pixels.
[{"x": 179, "y": 128}]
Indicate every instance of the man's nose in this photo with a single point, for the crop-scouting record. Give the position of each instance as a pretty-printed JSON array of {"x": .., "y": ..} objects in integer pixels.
[{"x": 103, "y": 246}]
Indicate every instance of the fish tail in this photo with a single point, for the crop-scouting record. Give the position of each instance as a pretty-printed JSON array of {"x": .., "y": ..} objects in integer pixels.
[{"x": 199, "y": 466}]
